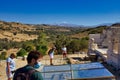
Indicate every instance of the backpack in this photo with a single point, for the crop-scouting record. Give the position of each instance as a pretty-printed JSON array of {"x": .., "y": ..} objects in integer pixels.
[{"x": 21, "y": 74}]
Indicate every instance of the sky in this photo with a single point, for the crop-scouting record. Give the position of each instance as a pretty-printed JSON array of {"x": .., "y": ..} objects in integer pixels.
[{"x": 80, "y": 12}]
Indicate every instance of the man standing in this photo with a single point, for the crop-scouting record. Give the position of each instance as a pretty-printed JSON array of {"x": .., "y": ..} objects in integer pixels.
[
  {"x": 64, "y": 51},
  {"x": 10, "y": 68},
  {"x": 28, "y": 72}
]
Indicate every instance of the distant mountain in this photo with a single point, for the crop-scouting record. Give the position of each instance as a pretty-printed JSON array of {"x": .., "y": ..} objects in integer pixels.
[
  {"x": 116, "y": 24},
  {"x": 104, "y": 24},
  {"x": 68, "y": 25}
]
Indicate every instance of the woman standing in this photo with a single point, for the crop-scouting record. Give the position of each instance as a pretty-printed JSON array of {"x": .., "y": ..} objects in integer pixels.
[
  {"x": 10, "y": 68},
  {"x": 51, "y": 54}
]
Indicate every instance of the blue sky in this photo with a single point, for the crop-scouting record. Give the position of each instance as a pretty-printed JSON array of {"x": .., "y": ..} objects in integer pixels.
[{"x": 81, "y": 12}]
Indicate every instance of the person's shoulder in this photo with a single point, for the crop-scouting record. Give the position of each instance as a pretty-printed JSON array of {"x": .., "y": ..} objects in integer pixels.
[
  {"x": 21, "y": 69},
  {"x": 8, "y": 59},
  {"x": 37, "y": 75}
]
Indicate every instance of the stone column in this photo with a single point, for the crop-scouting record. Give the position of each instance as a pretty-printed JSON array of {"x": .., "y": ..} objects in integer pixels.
[
  {"x": 91, "y": 44},
  {"x": 119, "y": 43},
  {"x": 110, "y": 47}
]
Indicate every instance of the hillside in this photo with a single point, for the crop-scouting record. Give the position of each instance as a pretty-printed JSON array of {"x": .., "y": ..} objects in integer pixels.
[
  {"x": 86, "y": 32},
  {"x": 22, "y": 32},
  {"x": 15, "y": 31},
  {"x": 14, "y": 26}
]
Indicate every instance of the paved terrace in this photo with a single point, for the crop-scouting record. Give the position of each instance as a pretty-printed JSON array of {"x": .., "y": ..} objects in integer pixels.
[{"x": 58, "y": 60}]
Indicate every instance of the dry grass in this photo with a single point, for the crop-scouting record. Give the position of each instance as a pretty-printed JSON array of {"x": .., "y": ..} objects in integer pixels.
[
  {"x": 80, "y": 35},
  {"x": 18, "y": 37}
]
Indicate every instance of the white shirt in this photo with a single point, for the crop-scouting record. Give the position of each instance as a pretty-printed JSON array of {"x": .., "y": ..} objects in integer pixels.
[
  {"x": 64, "y": 49},
  {"x": 11, "y": 63}
]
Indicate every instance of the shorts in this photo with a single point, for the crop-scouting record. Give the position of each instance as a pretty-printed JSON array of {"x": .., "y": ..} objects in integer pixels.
[
  {"x": 51, "y": 56},
  {"x": 64, "y": 54},
  {"x": 9, "y": 75}
]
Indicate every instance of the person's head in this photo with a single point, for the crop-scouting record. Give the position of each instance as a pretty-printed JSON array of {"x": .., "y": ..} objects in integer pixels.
[
  {"x": 12, "y": 55},
  {"x": 34, "y": 57}
]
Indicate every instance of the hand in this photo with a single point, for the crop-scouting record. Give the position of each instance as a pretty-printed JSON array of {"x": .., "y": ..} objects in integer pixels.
[{"x": 8, "y": 72}]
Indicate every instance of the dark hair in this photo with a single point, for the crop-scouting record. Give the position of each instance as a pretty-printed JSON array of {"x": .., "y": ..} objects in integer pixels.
[
  {"x": 33, "y": 55},
  {"x": 12, "y": 55}
]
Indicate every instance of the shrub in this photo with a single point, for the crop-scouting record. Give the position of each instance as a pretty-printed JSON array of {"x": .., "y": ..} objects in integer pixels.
[
  {"x": 42, "y": 49},
  {"x": 29, "y": 48},
  {"x": 3, "y": 55},
  {"x": 22, "y": 52}
]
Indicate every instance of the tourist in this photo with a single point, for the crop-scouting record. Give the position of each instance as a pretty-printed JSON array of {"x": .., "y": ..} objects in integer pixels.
[
  {"x": 64, "y": 52},
  {"x": 10, "y": 68},
  {"x": 51, "y": 54},
  {"x": 29, "y": 71}
]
